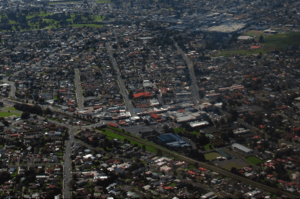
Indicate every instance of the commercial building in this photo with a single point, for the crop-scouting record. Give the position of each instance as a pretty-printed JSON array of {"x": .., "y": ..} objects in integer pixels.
[
  {"x": 172, "y": 140},
  {"x": 242, "y": 148}
]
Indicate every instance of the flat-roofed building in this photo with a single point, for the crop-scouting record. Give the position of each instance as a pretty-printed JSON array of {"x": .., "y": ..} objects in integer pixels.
[{"x": 242, "y": 148}]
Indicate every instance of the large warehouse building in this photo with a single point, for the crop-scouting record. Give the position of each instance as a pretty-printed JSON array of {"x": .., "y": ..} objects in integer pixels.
[
  {"x": 172, "y": 140},
  {"x": 242, "y": 148}
]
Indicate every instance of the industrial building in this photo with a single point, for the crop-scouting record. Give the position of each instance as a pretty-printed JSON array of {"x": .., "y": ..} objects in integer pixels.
[
  {"x": 241, "y": 131},
  {"x": 242, "y": 148},
  {"x": 224, "y": 154},
  {"x": 172, "y": 140},
  {"x": 199, "y": 124}
]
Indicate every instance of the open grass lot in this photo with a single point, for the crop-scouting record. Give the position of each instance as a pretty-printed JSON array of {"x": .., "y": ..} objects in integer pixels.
[
  {"x": 241, "y": 52},
  {"x": 281, "y": 41},
  {"x": 86, "y": 25},
  {"x": 7, "y": 114},
  {"x": 272, "y": 42},
  {"x": 230, "y": 165},
  {"x": 208, "y": 147},
  {"x": 41, "y": 20},
  {"x": 64, "y": 2},
  {"x": 103, "y": 1},
  {"x": 10, "y": 108},
  {"x": 39, "y": 14},
  {"x": 254, "y": 160},
  {"x": 211, "y": 156},
  {"x": 110, "y": 135}
]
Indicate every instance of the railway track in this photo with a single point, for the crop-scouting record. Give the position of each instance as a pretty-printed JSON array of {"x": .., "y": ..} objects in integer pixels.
[{"x": 205, "y": 165}]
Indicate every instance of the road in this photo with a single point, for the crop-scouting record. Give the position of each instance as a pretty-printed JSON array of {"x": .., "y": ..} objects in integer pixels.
[
  {"x": 78, "y": 91},
  {"x": 67, "y": 165},
  {"x": 121, "y": 83},
  {"x": 12, "y": 84},
  {"x": 194, "y": 87}
]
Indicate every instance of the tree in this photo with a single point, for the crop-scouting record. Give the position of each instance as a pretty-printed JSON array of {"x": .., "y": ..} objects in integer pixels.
[
  {"x": 233, "y": 170},
  {"x": 48, "y": 111},
  {"x": 25, "y": 115},
  {"x": 261, "y": 39},
  {"x": 71, "y": 183},
  {"x": 130, "y": 95}
]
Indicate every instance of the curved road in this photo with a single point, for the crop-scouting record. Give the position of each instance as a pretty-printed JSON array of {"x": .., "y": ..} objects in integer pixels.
[{"x": 12, "y": 84}]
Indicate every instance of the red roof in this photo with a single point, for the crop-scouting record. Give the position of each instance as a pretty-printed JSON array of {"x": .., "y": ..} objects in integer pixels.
[
  {"x": 270, "y": 175},
  {"x": 191, "y": 172},
  {"x": 97, "y": 107},
  {"x": 227, "y": 97},
  {"x": 167, "y": 188},
  {"x": 113, "y": 125},
  {"x": 261, "y": 126},
  {"x": 122, "y": 122},
  {"x": 155, "y": 116},
  {"x": 49, "y": 170},
  {"x": 296, "y": 129},
  {"x": 296, "y": 138},
  {"x": 51, "y": 186},
  {"x": 246, "y": 102},
  {"x": 255, "y": 47},
  {"x": 142, "y": 94},
  {"x": 202, "y": 169}
]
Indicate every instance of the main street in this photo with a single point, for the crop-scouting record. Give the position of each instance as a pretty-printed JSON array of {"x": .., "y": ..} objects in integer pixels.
[
  {"x": 121, "y": 83},
  {"x": 67, "y": 164},
  {"x": 78, "y": 91},
  {"x": 194, "y": 87}
]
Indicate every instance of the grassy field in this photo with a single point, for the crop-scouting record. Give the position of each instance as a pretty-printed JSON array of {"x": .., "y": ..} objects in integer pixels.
[
  {"x": 86, "y": 25},
  {"x": 255, "y": 33},
  {"x": 64, "y": 2},
  {"x": 10, "y": 109},
  {"x": 7, "y": 114},
  {"x": 254, "y": 160},
  {"x": 211, "y": 156},
  {"x": 103, "y": 1},
  {"x": 272, "y": 42},
  {"x": 241, "y": 52},
  {"x": 207, "y": 147},
  {"x": 230, "y": 165},
  {"x": 281, "y": 41},
  {"x": 39, "y": 14},
  {"x": 83, "y": 21},
  {"x": 110, "y": 135}
]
